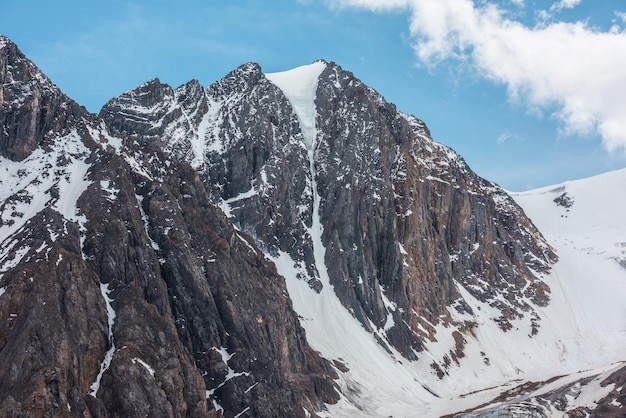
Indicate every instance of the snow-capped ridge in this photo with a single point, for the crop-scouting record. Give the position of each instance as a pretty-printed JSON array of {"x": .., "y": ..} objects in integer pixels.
[
  {"x": 21, "y": 71},
  {"x": 239, "y": 79},
  {"x": 4, "y": 41}
]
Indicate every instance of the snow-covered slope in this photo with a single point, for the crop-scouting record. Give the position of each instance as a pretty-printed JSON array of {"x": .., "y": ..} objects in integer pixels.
[
  {"x": 38, "y": 182},
  {"x": 584, "y": 221}
]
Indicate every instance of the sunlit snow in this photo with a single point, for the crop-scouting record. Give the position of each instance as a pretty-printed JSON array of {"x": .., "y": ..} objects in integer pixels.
[
  {"x": 590, "y": 239},
  {"x": 299, "y": 86}
]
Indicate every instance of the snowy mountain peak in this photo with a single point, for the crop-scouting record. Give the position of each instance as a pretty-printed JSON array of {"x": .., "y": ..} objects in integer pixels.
[
  {"x": 300, "y": 87},
  {"x": 18, "y": 71}
]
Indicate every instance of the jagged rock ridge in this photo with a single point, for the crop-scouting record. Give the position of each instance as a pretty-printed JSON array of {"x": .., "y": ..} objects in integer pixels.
[{"x": 123, "y": 290}]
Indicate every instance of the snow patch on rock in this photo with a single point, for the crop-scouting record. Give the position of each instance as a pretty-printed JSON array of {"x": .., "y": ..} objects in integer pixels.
[{"x": 104, "y": 289}]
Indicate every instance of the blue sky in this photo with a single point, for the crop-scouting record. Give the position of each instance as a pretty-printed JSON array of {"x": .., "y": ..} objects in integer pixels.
[{"x": 460, "y": 65}]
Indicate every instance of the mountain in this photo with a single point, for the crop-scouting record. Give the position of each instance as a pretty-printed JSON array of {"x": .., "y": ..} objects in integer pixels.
[
  {"x": 123, "y": 290},
  {"x": 286, "y": 244},
  {"x": 354, "y": 188}
]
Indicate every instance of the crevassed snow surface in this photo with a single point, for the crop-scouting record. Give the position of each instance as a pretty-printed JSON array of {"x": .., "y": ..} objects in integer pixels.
[{"x": 300, "y": 86}]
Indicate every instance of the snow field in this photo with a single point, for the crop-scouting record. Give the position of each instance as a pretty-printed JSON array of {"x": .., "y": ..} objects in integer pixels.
[{"x": 590, "y": 278}]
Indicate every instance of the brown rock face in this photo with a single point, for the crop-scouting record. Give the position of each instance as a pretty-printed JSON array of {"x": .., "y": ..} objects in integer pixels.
[
  {"x": 124, "y": 292},
  {"x": 406, "y": 217}
]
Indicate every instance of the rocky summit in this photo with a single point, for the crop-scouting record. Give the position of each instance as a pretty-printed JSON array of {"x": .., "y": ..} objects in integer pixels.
[{"x": 272, "y": 245}]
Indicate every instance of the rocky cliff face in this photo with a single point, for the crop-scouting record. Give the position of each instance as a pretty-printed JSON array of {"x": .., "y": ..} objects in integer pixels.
[
  {"x": 123, "y": 290},
  {"x": 407, "y": 226},
  {"x": 406, "y": 215}
]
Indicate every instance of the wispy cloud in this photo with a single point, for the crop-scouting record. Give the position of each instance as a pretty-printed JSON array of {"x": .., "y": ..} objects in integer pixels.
[
  {"x": 508, "y": 137},
  {"x": 576, "y": 71},
  {"x": 564, "y": 4}
]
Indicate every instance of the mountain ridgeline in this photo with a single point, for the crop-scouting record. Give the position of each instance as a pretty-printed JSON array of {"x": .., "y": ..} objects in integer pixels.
[{"x": 138, "y": 246}]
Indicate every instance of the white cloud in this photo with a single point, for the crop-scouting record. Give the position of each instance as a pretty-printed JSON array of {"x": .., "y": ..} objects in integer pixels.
[
  {"x": 564, "y": 4},
  {"x": 576, "y": 69}
]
